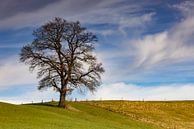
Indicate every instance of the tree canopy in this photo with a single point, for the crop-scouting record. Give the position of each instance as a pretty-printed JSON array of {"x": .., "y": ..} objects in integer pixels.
[{"x": 63, "y": 54}]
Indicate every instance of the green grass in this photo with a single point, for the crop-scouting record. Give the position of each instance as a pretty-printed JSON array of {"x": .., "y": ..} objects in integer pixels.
[
  {"x": 81, "y": 116},
  {"x": 99, "y": 115},
  {"x": 169, "y": 115}
]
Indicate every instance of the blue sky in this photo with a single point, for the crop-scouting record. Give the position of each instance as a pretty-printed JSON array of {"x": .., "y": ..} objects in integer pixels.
[{"x": 146, "y": 47}]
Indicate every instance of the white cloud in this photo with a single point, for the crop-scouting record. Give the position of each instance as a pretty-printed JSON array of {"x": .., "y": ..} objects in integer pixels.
[
  {"x": 118, "y": 91},
  {"x": 16, "y": 75},
  {"x": 13, "y": 73},
  {"x": 113, "y": 91},
  {"x": 31, "y": 96}
]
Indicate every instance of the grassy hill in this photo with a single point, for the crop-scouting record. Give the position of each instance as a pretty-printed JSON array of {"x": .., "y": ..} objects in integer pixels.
[
  {"x": 99, "y": 115},
  {"x": 81, "y": 116},
  {"x": 168, "y": 114}
]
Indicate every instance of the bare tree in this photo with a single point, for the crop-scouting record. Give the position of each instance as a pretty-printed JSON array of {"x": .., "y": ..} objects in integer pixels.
[{"x": 62, "y": 52}]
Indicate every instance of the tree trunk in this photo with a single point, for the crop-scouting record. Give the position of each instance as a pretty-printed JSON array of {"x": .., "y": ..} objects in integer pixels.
[{"x": 62, "y": 101}]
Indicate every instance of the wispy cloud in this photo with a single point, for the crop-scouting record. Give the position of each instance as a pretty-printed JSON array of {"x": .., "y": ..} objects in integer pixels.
[
  {"x": 170, "y": 47},
  {"x": 118, "y": 91},
  {"x": 9, "y": 8},
  {"x": 11, "y": 45},
  {"x": 153, "y": 57},
  {"x": 94, "y": 12}
]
